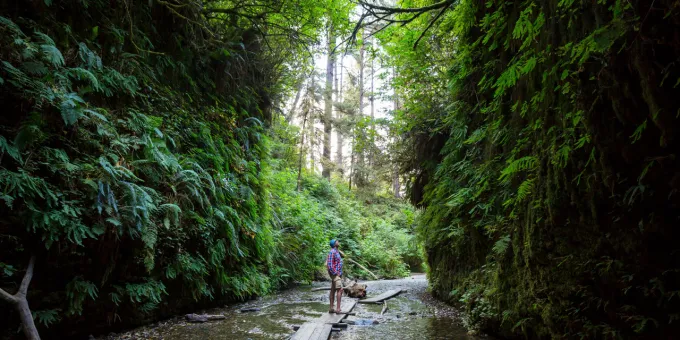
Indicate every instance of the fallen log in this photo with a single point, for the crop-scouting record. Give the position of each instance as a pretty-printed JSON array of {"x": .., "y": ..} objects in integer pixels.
[
  {"x": 364, "y": 268},
  {"x": 244, "y": 310},
  {"x": 352, "y": 289},
  {"x": 196, "y": 318},
  {"x": 384, "y": 296},
  {"x": 320, "y": 288},
  {"x": 384, "y": 309}
]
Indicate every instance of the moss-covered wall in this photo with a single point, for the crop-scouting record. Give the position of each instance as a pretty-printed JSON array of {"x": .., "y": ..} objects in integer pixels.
[
  {"x": 132, "y": 160},
  {"x": 553, "y": 210}
]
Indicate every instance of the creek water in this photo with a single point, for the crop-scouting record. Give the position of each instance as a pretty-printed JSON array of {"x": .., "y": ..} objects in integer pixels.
[{"x": 411, "y": 315}]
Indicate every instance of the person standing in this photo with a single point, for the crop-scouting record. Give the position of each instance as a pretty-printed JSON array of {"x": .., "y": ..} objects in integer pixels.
[{"x": 334, "y": 265}]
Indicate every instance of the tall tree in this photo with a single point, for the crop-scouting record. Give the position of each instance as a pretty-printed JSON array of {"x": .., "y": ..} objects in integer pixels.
[
  {"x": 338, "y": 117},
  {"x": 326, "y": 162},
  {"x": 307, "y": 105},
  {"x": 396, "y": 185},
  {"x": 358, "y": 151},
  {"x": 301, "y": 83},
  {"x": 371, "y": 159}
]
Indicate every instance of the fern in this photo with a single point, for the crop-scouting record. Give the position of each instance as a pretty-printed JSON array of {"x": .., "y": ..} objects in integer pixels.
[
  {"x": 71, "y": 108},
  {"x": 11, "y": 150},
  {"x": 47, "y": 317},
  {"x": 501, "y": 245},
  {"x": 36, "y": 68},
  {"x": 526, "y": 163},
  {"x": 77, "y": 291},
  {"x": 525, "y": 189},
  {"x": 638, "y": 132},
  {"x": 83, "y": 74},
  {"x": 52, "y": 55}
]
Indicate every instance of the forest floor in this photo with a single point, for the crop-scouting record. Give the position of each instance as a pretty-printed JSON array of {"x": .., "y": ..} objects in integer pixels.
[{"x": 412, "y": 315}]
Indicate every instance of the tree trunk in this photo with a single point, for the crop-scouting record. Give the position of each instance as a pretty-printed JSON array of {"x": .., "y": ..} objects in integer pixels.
[
  {"x": 371, "y": 158},
  {"x": 301, "y": 85},
  {"x": 360, "y": 153},
  {"x": 326, "y": 162},
  {"x": 396, "y": 185},
  {"x": 21, "y": 303},
  {"x": 351, "y": 169},
  {"x": 26, "y": 317},
  {"x": 302, "y": 142},
  {"x": 338, "y": 117},
  {"x": 312, "y": 144}
]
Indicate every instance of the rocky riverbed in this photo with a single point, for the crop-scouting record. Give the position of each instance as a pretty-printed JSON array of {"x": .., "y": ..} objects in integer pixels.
[{"x": 411, "y": 315}]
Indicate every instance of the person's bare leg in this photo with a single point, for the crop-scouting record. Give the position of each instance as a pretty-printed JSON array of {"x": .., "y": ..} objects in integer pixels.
[
  {"x": 332, "y": 295},
  {"x": 338, "y": 310}
]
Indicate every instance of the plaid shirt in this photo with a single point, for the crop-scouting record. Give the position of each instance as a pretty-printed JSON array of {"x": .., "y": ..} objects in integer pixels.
[{"x": 334, "y": 262}]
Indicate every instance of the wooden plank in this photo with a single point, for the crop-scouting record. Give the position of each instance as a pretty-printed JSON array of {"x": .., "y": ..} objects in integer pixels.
[
  {"x": 322, "y": 332},
  {"x": 305, "y": 331},
  {"x": 320, "y": 329},
  {"x": 384, "y": 296}
]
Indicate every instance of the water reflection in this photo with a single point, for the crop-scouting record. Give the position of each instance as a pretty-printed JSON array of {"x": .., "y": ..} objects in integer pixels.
[{"x": 422, "y": 328}]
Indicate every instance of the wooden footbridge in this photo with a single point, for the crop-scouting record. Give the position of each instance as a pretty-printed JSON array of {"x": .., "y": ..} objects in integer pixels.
[{"x": 321, "y": 328}]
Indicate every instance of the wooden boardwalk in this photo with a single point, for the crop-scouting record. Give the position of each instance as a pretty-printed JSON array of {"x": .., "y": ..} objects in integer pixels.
[
  {"x": 321, "y": 328},
  {"x": 384, "y": 296}
]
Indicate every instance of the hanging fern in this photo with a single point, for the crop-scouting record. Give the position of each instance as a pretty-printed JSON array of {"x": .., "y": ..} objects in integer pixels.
[
  {"x": 527, "y": 163},
  {"x": 525, "y": 189}
]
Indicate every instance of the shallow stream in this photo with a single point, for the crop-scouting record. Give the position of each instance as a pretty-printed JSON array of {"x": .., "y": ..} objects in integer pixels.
[{"x": 411, "y": 315}]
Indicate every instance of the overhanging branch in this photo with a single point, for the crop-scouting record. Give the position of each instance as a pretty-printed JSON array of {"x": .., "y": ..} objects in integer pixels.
[{"x": 386, "y": 15}]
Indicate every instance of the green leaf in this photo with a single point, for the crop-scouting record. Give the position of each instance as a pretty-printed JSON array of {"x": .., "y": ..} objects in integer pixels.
[
  {"x": 114, "y": 221},
  {"x": 47, "y": 317},
  {"x": 52, "y": 54},
  {"x": 70, "y": 108},
  {"x": 501, "y": 246},
  {"x": 565, "y": 74}
]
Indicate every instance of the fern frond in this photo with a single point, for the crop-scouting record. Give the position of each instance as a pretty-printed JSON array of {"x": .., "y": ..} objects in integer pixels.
[
  {"x": 34, "y": 67},
  {"x": 11, "y": 150},
  {"x": 501, "y": 246},
  {"x": 70, "y": 108},
  {"x": 52, "y": 55},
  {"x": 522, "y": 164},
  {"x": 10, "y": 25},
  {"x": 83, "y": 74},
  {"x": 525, "y": 189}
]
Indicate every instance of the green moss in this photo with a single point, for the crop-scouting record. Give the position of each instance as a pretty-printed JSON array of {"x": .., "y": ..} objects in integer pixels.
[{"x": 541, "y": 205}]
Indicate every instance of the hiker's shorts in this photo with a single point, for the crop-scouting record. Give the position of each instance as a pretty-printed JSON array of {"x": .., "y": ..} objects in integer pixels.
[{"x": 336, "y": 282}]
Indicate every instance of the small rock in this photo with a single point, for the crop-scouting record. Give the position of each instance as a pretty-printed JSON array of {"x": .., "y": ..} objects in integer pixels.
[{"x": 413, "y": 313}]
